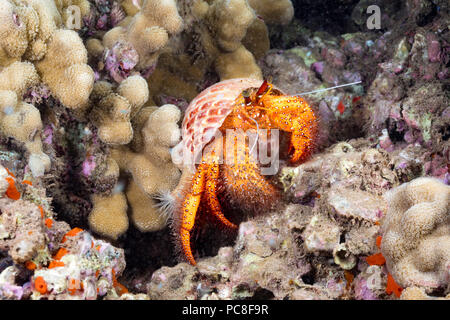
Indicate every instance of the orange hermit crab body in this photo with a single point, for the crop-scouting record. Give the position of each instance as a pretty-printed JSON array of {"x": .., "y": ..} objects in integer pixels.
[{"x": 238, "y": 105}]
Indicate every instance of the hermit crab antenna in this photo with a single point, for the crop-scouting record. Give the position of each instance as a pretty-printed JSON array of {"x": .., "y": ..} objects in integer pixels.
[
  {"x": 257, "y": 135},
  {"x": 327, "y": 89}
]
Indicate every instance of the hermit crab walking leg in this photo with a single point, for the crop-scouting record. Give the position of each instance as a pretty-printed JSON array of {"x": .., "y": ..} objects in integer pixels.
[
  {"x": 213, "y": 201},
  {"x": 205, "y": 180},
  {"x": 190, "y": 207}
]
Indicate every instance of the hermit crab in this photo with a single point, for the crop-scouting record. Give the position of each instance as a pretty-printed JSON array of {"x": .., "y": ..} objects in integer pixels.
[{"x": 237, "y": 105}]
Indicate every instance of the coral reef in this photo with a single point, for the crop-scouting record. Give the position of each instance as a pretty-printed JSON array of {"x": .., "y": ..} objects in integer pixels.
[
  {"x": 149, "y": 30},
  {"x": 92, "y": 94},
  {"x": 58, "y": 262},
  {"x": 135, "y": 44},
  {"x": 415, "y": 293},
  {"x": 109, "y": 215},
  {"x": 314, "y": 249},
  {"x": 32, "y": 33},
  {"x": 154, "y": 175},
  {"x": 64, "y": 69},
  {"x": 273, "y": 12}
]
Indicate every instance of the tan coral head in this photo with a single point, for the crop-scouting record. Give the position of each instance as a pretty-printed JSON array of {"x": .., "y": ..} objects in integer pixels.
[{"x": 416, "y": 233}]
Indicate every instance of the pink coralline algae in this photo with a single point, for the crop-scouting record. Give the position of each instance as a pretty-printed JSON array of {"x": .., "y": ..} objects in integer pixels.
[
  {"x": 179, "y": 102},
  {"x": 11, "y": 291},
  {"x": 437, "y": 167},
  {"x": 48, "y": 134},
  {"x": 434, "y": 48},
  {"x": 88, "y": 166},
  {"x": 120, "y": 60},
  {"x": 37, "y": 94},
  {"x": 102, "y": 22},
  {"x": 334, "y": 57},
  {"x": 362, "y": 291},
  {"x": 317, "y": 67}
]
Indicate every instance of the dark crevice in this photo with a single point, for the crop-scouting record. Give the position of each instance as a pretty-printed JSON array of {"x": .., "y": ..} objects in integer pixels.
[
  {"x": 310, "y": 277},
  {"x": 428, "y": 18},
  {"x": 262, "y": 294},
  {"x": 396, "y": 130},
  {"x": 329, "y": 16}
]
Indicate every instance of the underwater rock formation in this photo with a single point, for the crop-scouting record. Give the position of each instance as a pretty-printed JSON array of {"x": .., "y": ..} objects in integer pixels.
[{"x": 327, "y": 223}]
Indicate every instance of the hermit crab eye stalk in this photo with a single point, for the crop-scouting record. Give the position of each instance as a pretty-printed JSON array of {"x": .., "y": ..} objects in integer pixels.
[
  {"x": 247, "y": 96},
  {"x": 263, "y": 90}
]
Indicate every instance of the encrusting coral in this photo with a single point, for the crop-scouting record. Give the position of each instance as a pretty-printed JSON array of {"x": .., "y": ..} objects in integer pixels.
[
  {"x": 416, "y": 233},
  {"x": 27, "y": 236}
]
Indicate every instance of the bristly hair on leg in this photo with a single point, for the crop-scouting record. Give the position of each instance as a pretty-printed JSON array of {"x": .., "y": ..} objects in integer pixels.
[{"x": 165, "y": 203}]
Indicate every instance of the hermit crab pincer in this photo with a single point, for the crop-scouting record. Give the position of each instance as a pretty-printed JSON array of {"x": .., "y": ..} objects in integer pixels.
[{"x": 237, "y": 105}]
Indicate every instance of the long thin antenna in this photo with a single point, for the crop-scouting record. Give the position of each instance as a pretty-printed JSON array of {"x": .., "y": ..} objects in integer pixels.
[
  {"x": 257, "y": 135},
  {"x": 326, "y": 89}
]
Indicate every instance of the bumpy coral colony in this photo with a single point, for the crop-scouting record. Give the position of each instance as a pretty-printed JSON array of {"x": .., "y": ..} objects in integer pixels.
[{"x": 238, "y": 104}]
